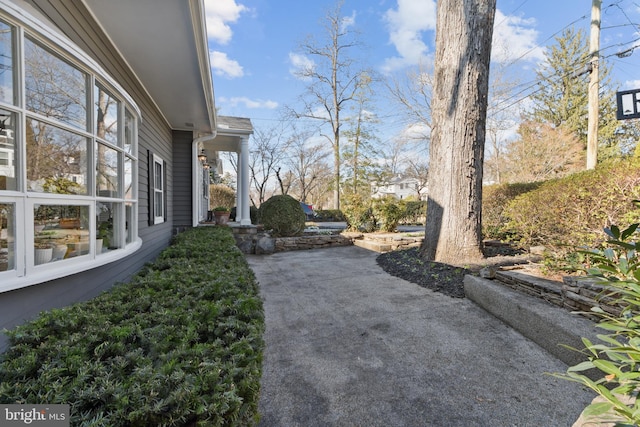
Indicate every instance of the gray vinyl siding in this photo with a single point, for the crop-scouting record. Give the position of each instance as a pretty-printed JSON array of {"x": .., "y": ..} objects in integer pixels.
[
  {"x": 182, "y": 180},
  {"x": 154, "y": 134}
]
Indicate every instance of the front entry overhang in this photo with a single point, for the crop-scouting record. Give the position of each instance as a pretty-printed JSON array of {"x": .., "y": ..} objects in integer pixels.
[{"x": 232, "y": 135}]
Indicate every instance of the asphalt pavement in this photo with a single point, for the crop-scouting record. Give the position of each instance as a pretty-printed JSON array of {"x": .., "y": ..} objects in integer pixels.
[{"x": 349, "y": 345}]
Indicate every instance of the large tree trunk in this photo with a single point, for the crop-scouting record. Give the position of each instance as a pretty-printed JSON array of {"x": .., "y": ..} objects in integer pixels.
[{"x": 453, "y": 232}]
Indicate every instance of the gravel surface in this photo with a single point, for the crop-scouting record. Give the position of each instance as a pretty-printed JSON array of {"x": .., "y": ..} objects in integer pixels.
[{"x": 447, "y": 279}]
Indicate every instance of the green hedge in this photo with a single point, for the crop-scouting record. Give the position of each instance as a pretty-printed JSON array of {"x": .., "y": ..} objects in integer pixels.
[
  {"x": 566, "y": 213},
  {"x": 494, "y": 200},
  {"x": 380, "y": 214},
  {"x": 181, "y": 344},
  {"x": 329, "y": 215}
]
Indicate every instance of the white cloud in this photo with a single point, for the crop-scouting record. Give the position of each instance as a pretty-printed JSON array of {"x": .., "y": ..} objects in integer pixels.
[
  {"x": 406, "y": 24},
  {"x": 514, "y": 38},
  {"x": 248, "y": 103},
  {"x": 631, "y": 84},
  {"x": 223, "y": 66},
  {"x": 417, "y": 131},
  {"x": 349, "y": 21},
  {"x": 300, "y": 64},
  {"x": 219, "y": 13}
]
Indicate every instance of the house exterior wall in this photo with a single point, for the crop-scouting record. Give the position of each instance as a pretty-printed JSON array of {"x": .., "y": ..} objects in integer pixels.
[
  {"x": 182, "y": 180},
  {"x": 399, "y": 188},
  {"x": 154, "y": 134}
]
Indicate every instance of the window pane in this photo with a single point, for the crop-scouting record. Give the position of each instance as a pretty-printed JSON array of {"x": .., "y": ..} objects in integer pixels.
[
  {"x": 129, "y": 222},
  {"x": 107, "y": 172},
  {"x": 129, "y": 132},
  {"x": 128, "y": 178},
  {"x": 60, "y": 232},
  {"x": 108, "y": 224},
  {"x": 159, "y": 204},
  {"x": 6, "y": 63},
  {"x": 56, "y": 159},
  {"x": 8, "y": 150},
  {"x": 107, "y": 115},
  {"x": 7, "y": 236},
  {"x": 157, "y": 167},
  {"x": 54, "y": 88}
]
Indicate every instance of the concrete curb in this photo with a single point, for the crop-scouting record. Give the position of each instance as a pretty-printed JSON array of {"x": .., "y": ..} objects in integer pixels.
[{"x": 547, "y": 325}]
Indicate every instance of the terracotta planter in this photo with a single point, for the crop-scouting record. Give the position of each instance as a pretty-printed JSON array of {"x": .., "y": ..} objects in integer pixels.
[{"x": 222, "y": 217}]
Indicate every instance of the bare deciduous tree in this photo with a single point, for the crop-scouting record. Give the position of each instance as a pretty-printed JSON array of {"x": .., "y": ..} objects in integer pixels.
[
  {"x": 266, "y": 155},
  {"x": 543, "y": 152},
  {"x": 499, "y": 121},
  {"x": 306, "y": 162},
  {"x": 412, "y": 92},
  {"x": 418, "y": 169},
  {"x": 334, "y": 77}
]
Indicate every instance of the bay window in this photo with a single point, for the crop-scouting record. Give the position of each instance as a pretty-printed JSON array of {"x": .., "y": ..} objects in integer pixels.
[{"x": 68, "y": 158}]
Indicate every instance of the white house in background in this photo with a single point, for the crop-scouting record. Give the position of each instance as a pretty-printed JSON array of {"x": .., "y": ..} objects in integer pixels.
[
  {"x": 400, "y": 188},
  {"x": 105, "y": 108}
]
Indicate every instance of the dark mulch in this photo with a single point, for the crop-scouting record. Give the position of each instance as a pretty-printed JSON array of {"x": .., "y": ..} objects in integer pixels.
[{"x": 447, "y": 279}]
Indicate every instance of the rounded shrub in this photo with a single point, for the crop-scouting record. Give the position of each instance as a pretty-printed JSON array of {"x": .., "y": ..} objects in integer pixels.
[{"x": 283, "y": 215}]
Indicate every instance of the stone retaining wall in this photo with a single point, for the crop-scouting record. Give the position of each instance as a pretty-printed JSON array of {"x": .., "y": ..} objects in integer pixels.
[
  {"x": 580, "y": 294},
  {"x": 250, "y": 241},
  {"x": 576, "y": 294},
  {"x": 283, "y": 244},
  {"x": 548, "y": 290}
]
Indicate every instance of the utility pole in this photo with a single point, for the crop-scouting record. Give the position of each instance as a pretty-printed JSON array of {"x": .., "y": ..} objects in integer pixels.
[{"x": 594, "y": 86}]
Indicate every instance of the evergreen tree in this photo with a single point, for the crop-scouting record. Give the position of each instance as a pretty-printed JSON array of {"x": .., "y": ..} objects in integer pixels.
[{"x": 562, "y": 97}]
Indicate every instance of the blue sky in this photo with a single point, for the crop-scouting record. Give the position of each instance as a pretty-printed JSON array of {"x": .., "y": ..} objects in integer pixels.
[{"x": 253, "y": 43}]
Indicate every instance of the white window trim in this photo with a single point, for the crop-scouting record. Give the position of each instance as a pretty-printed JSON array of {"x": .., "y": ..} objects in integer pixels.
[
  {"x": 25, "y": 273},
  {"x": 158, "y": 217}
]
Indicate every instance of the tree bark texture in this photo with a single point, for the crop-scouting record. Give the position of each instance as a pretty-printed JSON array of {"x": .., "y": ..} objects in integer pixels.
[{"x": 453, "y": 232}]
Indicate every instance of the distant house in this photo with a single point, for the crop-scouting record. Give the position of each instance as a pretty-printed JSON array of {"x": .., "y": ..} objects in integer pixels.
[
  {"x": 108, "y": 128},
  {"x": 400, "y": 188}
]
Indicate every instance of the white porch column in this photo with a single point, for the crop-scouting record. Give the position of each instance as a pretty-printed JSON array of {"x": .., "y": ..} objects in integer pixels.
[
  {"x": 238, "y": 190},
  {"x": 243, "y": 182}
]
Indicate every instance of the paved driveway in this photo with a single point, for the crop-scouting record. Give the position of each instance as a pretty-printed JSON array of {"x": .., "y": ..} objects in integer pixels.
[{"x": 349, "y": 345}]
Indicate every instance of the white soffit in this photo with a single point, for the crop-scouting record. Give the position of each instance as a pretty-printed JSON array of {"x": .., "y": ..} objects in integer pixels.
[{"x": 157, "y": 39}]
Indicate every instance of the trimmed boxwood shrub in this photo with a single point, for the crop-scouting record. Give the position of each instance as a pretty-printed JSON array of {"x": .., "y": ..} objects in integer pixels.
[
  {"x": 180, "y": 344},
  {"x": 283, "y": 215}
]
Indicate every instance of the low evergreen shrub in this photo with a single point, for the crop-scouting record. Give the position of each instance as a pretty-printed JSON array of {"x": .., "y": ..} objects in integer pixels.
[
  {"x": 358, "y": 213},
  {"x": 329, "y": 215},
  {"x": 380, "y": 214},
  {"x": 180, "y": 344},
  {"x": 415, "y": 211},
  {"x": 388, "y": 212},
  {"x": 283, "y": 216}
]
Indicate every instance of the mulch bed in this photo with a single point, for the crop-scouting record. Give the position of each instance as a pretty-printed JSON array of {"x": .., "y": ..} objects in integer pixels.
[{"x": 444, "y": 278}]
